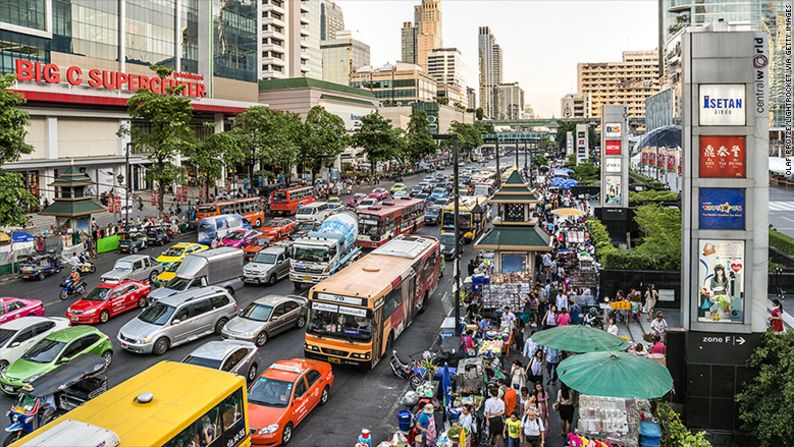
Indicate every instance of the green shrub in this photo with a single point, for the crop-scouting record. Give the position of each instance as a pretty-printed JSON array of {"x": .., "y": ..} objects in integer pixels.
[
  {"x": 782, "y": 242},
  {"x": 651, "y": 196},
  {"x": 674, "y": 433}
]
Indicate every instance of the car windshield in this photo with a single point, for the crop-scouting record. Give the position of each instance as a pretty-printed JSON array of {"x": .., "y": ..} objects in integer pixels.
[
  {"x": 439, "y": 191},
  {"x": 270, "y": 393},
  {"x": 346, "y": 324},
  {"x": 172, "y": 267},
  {"x": 44, "y": 351},
  {"x": 172, "y": 252},
  {"x": 265, "y": 258},
  {"x": 125, "y": 266},
  {"x": 447, "y": 239},
  {"x": 368, "y": 202},
  {"x": 201, "y": 361},
  {"x": 257, "y": 312},
  {"x": 157, "y": 314},
  {"x": 5, "y": 335},
  {"x": 422, "y": 196},
  {"x": 312, "y": 254},
  {"x": 98, "y": 294},
  {"x": 235, "y": 235},
  {"x": 178, "y": 283},
  {"x": 275, "y": 223}
]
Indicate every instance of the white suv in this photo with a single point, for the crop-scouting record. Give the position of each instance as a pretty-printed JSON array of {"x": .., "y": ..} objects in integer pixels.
[{"x": 19, "y": 335}]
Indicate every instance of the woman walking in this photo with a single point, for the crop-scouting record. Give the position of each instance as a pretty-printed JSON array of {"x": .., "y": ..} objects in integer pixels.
[
  {"x": 564, "y": 405},
  {"x": 536, "y": 367},
  {"x": 550, "y": 319},
  {"x": 542, "y": 397},
  {"x": 651, "y": 297}
]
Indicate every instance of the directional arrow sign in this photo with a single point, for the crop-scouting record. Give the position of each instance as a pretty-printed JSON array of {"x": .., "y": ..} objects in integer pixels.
[
  {"x": 720, "y": 347},
  {"x": 738, "y": 339}
]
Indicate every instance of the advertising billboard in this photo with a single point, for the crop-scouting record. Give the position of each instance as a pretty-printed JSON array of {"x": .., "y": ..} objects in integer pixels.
[
  {"x": 613, "y": 130},
  {"x": 613, "y": 165},
  {"x": 569, "y": 143},
  {"x": 722, "y": 156},
  {"x": 722, "y": 209},
  {"x": 614, "y": 192},
  {"x": 613, "y": 147},
  {"x": 721, "y": 275},
  {"x": 722, "y": 105}
]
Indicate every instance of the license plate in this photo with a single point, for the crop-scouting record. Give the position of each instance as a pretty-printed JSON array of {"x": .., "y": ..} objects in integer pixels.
[
  {"x": 74, "y": 318},
  {"x": 124, "y": 345},
  {"x": 334, "y": 360},
  {"x": 307, "y": 278}
]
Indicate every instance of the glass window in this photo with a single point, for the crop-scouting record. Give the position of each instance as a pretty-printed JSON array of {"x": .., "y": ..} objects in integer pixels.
[
  {"x": 300, "y": 388},
  {"x": 219, "y": 301},
  {"x": 27, "y": 13},
  {"x": 280, "y": 310},
  {"x": 234, "y": 39},
  {"x": 199, "y": 308},
  {"x": 234, "y": 359},
  {"x": 221, "y": 425},
  {"x": 311, "y": 377}
]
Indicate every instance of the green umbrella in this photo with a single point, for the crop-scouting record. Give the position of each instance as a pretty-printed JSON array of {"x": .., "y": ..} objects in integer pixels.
[
  {"x": 615, "y": 374},
  {"x": 579, "y": 338}
]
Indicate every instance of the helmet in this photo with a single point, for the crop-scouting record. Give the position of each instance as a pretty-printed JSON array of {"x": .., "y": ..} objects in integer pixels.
[{"x": 593, "y": 312}]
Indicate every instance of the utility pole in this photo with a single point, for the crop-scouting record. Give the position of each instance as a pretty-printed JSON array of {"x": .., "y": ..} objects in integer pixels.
[
  {"x": 516, "y": 144},
  {"x": 455, "y": 145},
  {"x": 129, "y": 188},
  {"x": 498, "y": 171}
]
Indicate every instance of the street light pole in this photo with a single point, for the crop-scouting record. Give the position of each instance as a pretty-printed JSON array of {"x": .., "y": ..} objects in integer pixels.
[
  {"x": 516, "y": 146},
  {"x": 128, "y": 188},
  {"x": 456, "y": 297},
  {"x": 498, "y": 171}
]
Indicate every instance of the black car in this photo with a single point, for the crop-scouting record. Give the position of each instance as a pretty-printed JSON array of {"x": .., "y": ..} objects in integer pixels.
[
  {"x": 432, "y": 215},
  {"x": 157, "y": 236},
  {"x": 132, "y": 242},
  {"x": 448, "y": 245}
]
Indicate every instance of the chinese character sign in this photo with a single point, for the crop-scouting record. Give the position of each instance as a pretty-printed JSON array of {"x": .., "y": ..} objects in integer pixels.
[{"x": 722, "y": 156}]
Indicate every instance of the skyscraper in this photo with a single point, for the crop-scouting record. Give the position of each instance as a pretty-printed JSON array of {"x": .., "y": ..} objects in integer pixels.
[
  {"x": 424, "y": 35},
  {"x": 332, "y": 20},
  {"x": 510, "y": 101},
  {"x": 290, "y": 41},
  {"x": 490, "y": 59},
  {"x": 445, "y": 65},
  {"x": 342, "y": 56}
]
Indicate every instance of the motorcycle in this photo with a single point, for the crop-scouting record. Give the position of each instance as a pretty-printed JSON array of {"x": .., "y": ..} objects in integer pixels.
[
  {"x": 69, "y": 288},
  {"x": 86, "y": 267}
]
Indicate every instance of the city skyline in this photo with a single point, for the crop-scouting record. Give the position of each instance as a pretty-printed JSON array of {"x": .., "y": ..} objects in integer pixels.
[{"x": 611, "y": 24}]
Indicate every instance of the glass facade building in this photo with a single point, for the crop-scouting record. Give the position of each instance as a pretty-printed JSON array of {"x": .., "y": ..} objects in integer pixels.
[
  {"x": 234, "y": 39},
  {"x": 760, "y": 15}
]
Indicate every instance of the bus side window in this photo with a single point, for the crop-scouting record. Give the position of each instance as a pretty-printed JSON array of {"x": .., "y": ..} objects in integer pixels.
[{"x": 392, "y": 302}]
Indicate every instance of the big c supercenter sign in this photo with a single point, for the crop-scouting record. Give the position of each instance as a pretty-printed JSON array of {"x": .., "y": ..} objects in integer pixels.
[{"x": 27, "y": 71}]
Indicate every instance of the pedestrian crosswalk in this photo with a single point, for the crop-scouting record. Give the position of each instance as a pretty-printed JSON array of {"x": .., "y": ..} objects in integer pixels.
[{"x": 781, "y": 206}]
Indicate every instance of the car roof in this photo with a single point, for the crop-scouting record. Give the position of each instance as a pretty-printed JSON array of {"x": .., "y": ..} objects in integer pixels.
[
  {"x": 132, "y": 258},
  {"x": 275, "y": 249},
  {"x": 273, "y": 300},
  {"x": 21, "y": 323},
  {"x": 183, "y": 245},
  {"x": 190, "y": 295},
  {"x": 289, "y": 370},
  {"x": 70, "y": 333},
  {"x": 219, "y": 349}
]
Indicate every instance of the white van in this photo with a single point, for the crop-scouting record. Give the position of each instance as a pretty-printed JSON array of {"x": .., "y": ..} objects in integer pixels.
[{"x": 313, "y": 212}]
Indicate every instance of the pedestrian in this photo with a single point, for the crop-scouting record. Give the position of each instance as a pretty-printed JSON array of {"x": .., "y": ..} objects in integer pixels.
[
  {"x": 426, "y": 424},
  {"x": 533, "y": 429},
  {"x": 658, "y": 347},
  {"x": 776, "y": 319},
  {"x": 542, "y": 399},
  {"x": 552, "y": 357},
  {"x": 523, "y": 399},
  {"x": 564, "y": 405},
  {"x": 140, "y": 204},
  {"x": 518, "y": 376},
  {"x": 536, "y": 367},
  {"x": 466, "y": 420},
  {"x": 563, "y": 319},
  {"x": 494, "y": 412},
  {"x": 651, "y": 297},
  {"x": 468, "y": 343},
  {"x": 550, "y": 319},
  {"x": 512, "y": 431},
  {"x": 659, "y": 325},
  {"x": 612, "y": 328},
  {"x": 561, "y": 300}
]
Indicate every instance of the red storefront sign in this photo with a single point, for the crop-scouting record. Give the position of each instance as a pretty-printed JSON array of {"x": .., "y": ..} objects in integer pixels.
[
  {"x": 613, "y": 147},
  {"x": 722, "y": 156},
  {"x": 107, "y": 79}
]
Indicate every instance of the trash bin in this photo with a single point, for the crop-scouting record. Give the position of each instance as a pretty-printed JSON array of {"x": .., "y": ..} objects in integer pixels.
[
  {"x": 650, "y": 434},
  {"x": 404, "y": 420}
]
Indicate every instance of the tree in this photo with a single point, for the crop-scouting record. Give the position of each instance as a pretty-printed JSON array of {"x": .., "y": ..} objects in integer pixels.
[
  {"x": 219, "y": 150},
  {"x": 563, "y": 127},
  {"x": 13, "y": 123},
  {"x": 442, "y": 100},
  {"x": 766, "y": 402},
  {"x": 539, "y": 160},
  {"x": 267, "y": 136},
  {"x": 478, "y": 113},
  {"x": 165, "y": 132},
  {"x": 323, "y": 138},
  {"x": 376, "y": 137},
  {"x": 469, "y": 135},
  {"x": 419, "y": 141}
]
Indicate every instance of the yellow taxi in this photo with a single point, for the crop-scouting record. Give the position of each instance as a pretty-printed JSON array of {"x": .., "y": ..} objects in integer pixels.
[
  {"x": 283, "y": 396},
  {"x": 173, "y": 256}
]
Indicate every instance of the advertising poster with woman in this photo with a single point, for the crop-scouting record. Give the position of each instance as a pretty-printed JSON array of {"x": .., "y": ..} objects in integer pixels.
[
  {"x": 721, "y": 281},
  {"x": 614, "y": 193}
]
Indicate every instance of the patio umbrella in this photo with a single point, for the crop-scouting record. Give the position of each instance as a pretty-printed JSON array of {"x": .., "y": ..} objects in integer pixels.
[
  {"x": 568, "y": 212},
  {"x": 560, "y": 173},
  {"x": 570, "y": 183},
  {"x": 615, "y": 374},
  {"x": 579, "y": 338}
]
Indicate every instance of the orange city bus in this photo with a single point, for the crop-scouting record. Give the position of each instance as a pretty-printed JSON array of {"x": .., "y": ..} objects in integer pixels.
[
  {"x": 381, "y": 223},
  {"x": 250, "y": 208},
  {"x": 356, "y": 314},
  {"x": 287, "y": 201}
]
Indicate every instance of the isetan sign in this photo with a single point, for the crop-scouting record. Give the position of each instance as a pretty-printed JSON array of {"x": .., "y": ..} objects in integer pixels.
[
  {"x": 95, "y": 78},
  {"x": 722, "y": 105}
]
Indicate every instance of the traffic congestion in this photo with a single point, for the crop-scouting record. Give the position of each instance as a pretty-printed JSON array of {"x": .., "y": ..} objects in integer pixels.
[{"x": 303, "y": 294}]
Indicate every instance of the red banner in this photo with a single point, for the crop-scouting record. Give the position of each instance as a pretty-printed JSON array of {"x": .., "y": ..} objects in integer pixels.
[
  {"x": 722, "y": 156},
  {"x": 613, "y": 147}
]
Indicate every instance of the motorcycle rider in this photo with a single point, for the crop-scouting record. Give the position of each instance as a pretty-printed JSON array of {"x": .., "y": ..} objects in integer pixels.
[{"x": 75, "y": 276}]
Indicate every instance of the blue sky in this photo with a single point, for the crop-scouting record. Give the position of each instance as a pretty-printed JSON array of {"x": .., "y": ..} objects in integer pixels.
[{"x": 542, "y": 41}]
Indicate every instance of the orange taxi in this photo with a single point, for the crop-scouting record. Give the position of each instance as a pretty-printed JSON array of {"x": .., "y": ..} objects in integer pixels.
[{"x": 283, "y": 396}]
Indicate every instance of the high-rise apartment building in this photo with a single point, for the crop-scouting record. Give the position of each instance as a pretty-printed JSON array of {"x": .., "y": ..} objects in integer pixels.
[
  {"x": 408, "y": 43},
  {"x": 398, "y": 84},
  {"x": 575, "y": 105},
  {"x": 490, "y": 60},
  {"x": 760, "y": 15},
  {"x": 471, "y": 98},
  {"x": 417, "y": 40},
  {"x": 445, "y": 65},
  {"x": 332, "y": 20},
  {"x": 510, "y": 101},
  {"x": 342, "y": 56},
  {"x": 630, "y": 81},
  {"x": 290, "y": 39}
]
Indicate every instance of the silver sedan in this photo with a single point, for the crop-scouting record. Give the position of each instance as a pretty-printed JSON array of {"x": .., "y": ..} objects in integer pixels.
[
  {"x": 267, "y": 316},
  {"x": 234, "y": 356}
]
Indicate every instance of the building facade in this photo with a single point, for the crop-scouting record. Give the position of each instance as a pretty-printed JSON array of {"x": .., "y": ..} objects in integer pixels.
[
  {"x": 398, "y": 84},
  {"x": 77, "y": 63},
  {"x": 630, "y": 81},
  {"x": 427, "y": 20},
  {"x": 408, "y": 43},
  {"x": 575, "y": 105},
  {"x": 342, "y": 56},
  {"x": 471, "y": 98},
  {"x": 290, "y": 39},
  {"x": 446, "y": 66},
  {"x": 511, "y": 101},
  {"x": 440, "y": 117},
  {"x": 758, "y": 15},
  {"x": 490, "y": 60},
  {"x": 332, "y": 20}
]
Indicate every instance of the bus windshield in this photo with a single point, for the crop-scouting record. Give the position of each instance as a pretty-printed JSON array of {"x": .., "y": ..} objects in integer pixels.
[
  {"x": 279, "y": 196},
  {"x": 341, "y": 325},
  {"x": 464, "y": 220},
  {"x": 207, "y": 209}
]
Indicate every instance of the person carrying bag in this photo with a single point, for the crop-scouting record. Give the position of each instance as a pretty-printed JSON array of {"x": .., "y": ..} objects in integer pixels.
[{"x": 533, "y": 429}]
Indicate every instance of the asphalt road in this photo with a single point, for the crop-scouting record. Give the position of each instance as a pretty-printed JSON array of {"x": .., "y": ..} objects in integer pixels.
[{"x": 359, "y": 399}]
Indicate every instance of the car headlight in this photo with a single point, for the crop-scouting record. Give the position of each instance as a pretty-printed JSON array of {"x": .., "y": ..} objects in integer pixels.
[
  {"x": 248, "y": 333},
  {"x": 146, "y": 339},
  {"x": 270, "y": 429},
  {"x": 32, "y": 378},
  {"x": 90, "y": 312}
]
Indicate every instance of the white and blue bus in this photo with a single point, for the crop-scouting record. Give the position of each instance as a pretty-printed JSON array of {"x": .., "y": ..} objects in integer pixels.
[{"x": 209, "y": 227}]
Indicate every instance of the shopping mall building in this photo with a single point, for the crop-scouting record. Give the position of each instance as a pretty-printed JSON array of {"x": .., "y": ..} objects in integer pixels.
[{"x": 78, "y": 61}]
